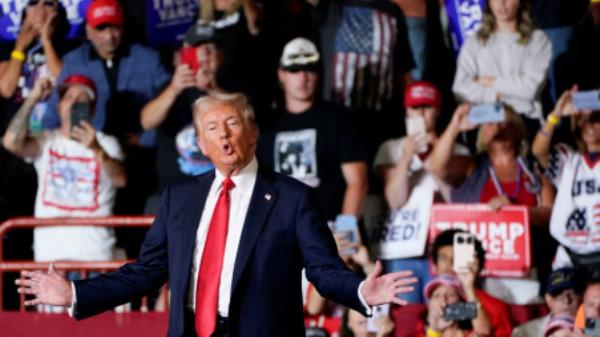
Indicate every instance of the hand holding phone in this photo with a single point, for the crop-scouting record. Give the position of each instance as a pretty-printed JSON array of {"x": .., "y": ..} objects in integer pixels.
[
  {"x": 464, "y": 252},
  {"x": 345, "y": 229},
  {"x": 486, "y": 113}
]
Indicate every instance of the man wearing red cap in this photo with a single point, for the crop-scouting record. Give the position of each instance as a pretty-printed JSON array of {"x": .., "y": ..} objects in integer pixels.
[
  {"x": 127, "y": 76},
  {"x": 408, "y": 185},
  {"x": 78, "y": 169}
]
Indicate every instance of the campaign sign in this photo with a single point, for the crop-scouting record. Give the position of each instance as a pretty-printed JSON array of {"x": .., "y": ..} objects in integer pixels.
[
  {"x": 404, "y": 234},
  {"x": 464, "y": 19},
  {"x": 11, "y": 13},
  {"x": 168, "y": 20},
  {"x": 504, "y": 234}
]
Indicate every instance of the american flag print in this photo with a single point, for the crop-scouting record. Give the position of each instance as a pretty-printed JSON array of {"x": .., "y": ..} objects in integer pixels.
[{"x": 363, "y": 58}]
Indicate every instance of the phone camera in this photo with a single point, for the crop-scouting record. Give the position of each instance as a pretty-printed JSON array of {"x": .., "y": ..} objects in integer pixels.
[{"x": 460, "y": 239}]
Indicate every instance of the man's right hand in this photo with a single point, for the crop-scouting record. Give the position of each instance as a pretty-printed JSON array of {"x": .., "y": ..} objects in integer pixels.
[
  {"x": 50, "y": 287},
  {"x": 41, "y": 89},
  {"x": 183, "y": 78}
]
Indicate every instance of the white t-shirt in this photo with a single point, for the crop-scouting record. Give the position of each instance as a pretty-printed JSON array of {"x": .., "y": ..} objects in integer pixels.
[
  {"x": 72, "y": 183},
  {"x": 390, "y": 151},
  {"x": 576, "y": 223}
]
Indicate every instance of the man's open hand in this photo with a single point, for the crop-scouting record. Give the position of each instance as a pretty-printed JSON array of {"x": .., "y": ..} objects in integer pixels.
[
  {"x": 379, "y": 289},
  {"x": 49, "y": 287}
]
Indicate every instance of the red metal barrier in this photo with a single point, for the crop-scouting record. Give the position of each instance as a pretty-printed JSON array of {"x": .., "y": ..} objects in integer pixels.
[{"x": 84, "y": 267}]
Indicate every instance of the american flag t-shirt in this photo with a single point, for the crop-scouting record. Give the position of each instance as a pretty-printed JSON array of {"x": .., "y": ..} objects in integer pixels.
[{"x": 363, "y": 58}]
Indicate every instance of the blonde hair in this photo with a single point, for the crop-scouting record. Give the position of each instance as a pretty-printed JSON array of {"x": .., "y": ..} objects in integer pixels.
[
  {"x": 525, "y": 26},
  {"x": 235, "y": 100},
  {"x": 518, "y": 133},
  {"x": 207, "y": 9}
]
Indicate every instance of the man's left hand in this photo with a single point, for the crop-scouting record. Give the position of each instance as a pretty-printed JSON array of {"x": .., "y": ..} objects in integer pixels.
[{"x": 380, "y": 289}]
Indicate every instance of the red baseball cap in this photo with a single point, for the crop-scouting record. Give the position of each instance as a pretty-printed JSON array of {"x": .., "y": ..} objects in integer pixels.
[
  {"x": 422, "y": 93},
  {"x": 104, "y": 12},
  {"x": 78, "y": 79}
]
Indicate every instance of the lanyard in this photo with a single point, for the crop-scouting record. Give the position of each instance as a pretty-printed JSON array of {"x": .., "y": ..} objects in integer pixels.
[{"x": 498, "y": 186}]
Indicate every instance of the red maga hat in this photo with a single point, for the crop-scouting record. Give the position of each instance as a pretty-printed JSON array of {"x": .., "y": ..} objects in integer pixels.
[
  {"x": 104, "y": 12},
  {"x": 78, "y": 79}
]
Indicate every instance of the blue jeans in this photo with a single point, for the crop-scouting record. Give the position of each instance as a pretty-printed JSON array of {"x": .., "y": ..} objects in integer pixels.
[
  {"x": 420, "y": 268},
  {"x": 560, "y": 38},
  {"x": 417, "y": 37}
]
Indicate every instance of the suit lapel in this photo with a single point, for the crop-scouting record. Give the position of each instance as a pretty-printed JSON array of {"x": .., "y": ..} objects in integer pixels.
[
  {"x": 261, "y": 203},
  {"x": 195, "y": 203}
]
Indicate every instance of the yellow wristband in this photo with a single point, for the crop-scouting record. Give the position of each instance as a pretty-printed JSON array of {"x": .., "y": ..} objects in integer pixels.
[
  {"x": 18, "y": 55},
  {"x": 433, "y": 333},
  {"x": 553, "y": 120}
]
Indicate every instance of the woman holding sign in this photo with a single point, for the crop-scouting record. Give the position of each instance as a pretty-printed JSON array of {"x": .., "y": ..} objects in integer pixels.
[
  {"x": 575, "y": 222},
  {"x": 498, "y": 176}
]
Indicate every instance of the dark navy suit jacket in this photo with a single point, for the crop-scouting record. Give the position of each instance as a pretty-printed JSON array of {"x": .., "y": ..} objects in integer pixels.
[{"x": 282, "y": 234}]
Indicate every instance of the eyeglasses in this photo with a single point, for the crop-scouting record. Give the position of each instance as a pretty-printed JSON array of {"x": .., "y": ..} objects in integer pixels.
[{"x": 47, "y": 3}]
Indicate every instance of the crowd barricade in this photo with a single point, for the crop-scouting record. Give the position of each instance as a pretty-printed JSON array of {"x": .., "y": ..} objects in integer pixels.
[{"x": 83, "y": 267}]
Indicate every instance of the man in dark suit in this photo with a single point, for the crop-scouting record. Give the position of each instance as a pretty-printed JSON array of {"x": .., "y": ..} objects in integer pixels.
[{"x": 232, "y": 244}]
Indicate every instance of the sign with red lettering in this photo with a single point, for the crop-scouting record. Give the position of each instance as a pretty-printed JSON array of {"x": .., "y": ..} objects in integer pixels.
[{"x": 504, "y": 234}]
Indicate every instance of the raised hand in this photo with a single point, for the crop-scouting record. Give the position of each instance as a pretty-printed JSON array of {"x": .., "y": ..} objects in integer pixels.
[
  {"x": 50, "y": 287},
  {"x": 460, "y": 120},
  {"x": 380, "y": 289},
  {"x": 183, "y": 78},
  {"x": 48, "y": 27},
  {"x": 41, "y": 89},
  {"x": 85, "y": 134}
]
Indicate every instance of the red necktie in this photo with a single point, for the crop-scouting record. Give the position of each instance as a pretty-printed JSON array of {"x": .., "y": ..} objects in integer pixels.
[{"x": 209, "y": 276}]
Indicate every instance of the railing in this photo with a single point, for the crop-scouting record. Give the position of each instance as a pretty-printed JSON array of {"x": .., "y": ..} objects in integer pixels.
[{"x": 83, "y": 267}]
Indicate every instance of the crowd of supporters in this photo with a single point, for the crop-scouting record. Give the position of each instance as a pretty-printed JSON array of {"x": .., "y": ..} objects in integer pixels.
[{"x": 364, "y": 100}]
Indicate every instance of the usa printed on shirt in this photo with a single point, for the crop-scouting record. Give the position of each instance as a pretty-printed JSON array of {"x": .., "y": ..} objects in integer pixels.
[
  {"x": 363, "y": 59},
  {"x": 71, "y": 183}
]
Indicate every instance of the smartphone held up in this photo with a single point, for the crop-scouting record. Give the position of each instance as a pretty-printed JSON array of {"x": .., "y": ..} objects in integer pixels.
[
  {"x": 189, "y": 56},
  {"x": 464, "y": 252}
]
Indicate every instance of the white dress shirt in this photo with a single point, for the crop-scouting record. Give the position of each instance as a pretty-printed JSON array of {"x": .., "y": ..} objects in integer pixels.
[{"x": 239, "y": 197}]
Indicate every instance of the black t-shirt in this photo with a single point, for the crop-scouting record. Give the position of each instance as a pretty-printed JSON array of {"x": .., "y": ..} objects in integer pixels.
[
  {"x": 365, "y": 52},
  {"x": 178, "y": 156},
  {"x": 312, "y": 146}
]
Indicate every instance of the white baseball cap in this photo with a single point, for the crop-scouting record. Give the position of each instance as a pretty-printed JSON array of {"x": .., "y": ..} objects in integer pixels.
[{"x": 299, "y": 53}]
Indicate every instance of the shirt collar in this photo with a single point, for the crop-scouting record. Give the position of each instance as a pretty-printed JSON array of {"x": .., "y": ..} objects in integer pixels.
[{"x": 245, "y": 177}]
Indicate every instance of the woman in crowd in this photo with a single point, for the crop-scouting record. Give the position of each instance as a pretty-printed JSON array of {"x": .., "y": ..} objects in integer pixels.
[
  {"x": 576, "y": 175},
  {"x": 505, "y": 61},
  {"x": 498, "y": 176},
  {"x": 38, "y": 49}
]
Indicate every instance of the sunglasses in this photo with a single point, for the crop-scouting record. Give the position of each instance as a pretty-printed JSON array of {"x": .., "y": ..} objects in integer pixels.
[{"x": 47, "y": 3}]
